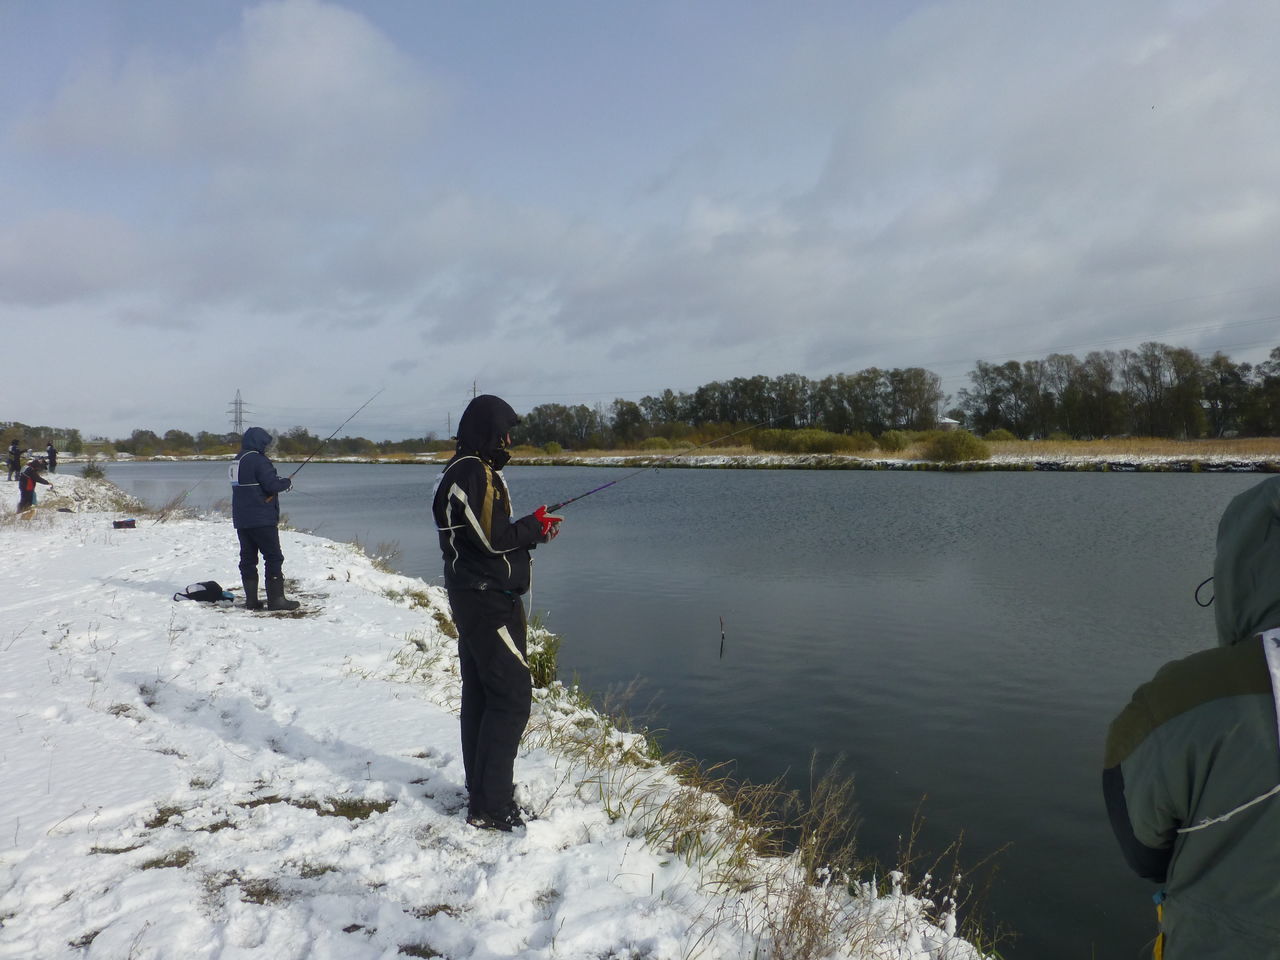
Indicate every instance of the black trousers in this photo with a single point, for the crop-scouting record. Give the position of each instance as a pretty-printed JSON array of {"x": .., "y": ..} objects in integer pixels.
[
  {"x": 260, "y": 540},
  {"x": 496, "y": 692}
]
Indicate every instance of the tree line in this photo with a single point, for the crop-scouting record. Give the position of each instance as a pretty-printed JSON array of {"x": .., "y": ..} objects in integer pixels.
[
  {"x": 1155, "y": 390},
  {"x": 870, "y": 401},
  {"x": 296, "y": 441}
]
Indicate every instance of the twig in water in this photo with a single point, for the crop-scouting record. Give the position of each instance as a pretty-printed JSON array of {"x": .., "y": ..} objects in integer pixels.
[{"x": 722, "y": 638}]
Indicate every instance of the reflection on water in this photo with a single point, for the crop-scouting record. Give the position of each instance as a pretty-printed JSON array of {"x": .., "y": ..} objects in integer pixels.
[{"x": 962, "y": 636}]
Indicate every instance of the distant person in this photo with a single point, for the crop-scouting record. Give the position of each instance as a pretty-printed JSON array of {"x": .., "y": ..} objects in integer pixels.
[
  {"x": 27, "y": 481},
  {"x": 15, "y": 459},
  {"x": 51, "y": 457},
  {"x": 486, "y": 570},
  {"x": 255, "y": 512},
  {"x": 1192, "y": 768}
]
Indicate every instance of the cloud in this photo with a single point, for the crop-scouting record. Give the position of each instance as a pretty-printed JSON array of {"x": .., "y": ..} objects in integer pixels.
[
  {"x": 931, "y": 184},
  {"x": 253, "y": 170}
]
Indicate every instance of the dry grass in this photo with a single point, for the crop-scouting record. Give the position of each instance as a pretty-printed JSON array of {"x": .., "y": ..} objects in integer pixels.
[
  {"x": 1118, "y": 448},
  {"x": 1233, "y": 448},
  {"x": 777, "y": 863},
  {"x": 718, "y": 450}
]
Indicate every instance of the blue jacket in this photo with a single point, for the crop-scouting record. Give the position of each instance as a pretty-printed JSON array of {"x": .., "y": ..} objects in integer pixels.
[{"x": 255, "y": 483}]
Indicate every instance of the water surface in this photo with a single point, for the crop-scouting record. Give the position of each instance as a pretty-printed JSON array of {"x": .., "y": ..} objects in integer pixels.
[{"x": 959, "y": 637}]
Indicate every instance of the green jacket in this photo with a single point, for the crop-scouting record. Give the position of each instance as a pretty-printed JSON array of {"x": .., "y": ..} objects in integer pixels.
[{"x": 1193, "y": 760}]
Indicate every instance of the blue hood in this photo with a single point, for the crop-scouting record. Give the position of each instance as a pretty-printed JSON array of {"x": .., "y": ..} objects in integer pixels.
[{"x": 255, "y": 438}]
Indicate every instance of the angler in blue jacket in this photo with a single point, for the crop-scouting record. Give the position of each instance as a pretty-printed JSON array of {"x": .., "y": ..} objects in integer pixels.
[
  {"x": 255, "y": 512},
  {"x": 486, "y": 570}
]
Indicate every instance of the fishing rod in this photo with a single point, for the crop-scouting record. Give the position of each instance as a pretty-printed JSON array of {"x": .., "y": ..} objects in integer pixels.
[
  {"x": 335, "y": 433},
  {"x": 660, "y": 462},
  {"x": 181, "y": 498}
]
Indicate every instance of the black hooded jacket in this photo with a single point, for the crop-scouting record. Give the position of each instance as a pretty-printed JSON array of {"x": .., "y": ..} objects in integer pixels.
[{"x": 483, "y": 548}]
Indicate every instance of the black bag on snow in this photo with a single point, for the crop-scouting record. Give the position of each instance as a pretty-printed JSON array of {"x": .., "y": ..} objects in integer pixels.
[{"x": 209, "y": 591}]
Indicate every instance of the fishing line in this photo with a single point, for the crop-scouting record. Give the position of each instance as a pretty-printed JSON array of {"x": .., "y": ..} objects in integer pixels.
[
  {"x": 666, "y": 459},
  {"x": 327, "y": 439},
  {"x": 335, "y": 433}
]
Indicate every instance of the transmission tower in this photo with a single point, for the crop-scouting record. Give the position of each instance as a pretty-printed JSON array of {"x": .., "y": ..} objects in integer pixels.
[{"x": 237, "y": 414}]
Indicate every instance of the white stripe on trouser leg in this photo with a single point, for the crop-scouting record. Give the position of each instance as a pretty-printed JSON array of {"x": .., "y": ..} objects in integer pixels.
[{"x": 505, "y": 634}]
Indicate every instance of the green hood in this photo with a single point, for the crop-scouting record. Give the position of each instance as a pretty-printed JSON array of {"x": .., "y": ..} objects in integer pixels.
[{"x": 1246, "y": 571}]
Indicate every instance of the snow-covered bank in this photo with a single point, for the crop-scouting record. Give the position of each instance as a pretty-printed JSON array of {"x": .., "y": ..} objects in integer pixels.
[
  {"x": 186, "y": 780},
  {"x": 1201, "y": 462},
  {"x": 1153, "y": 463}
]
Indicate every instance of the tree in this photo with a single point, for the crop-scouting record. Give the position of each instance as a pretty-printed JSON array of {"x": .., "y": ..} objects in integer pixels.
[
  {"x": 628, "y": 423},
  {"x": 852, "y": 403},
  {"x": 296, "y": 440},
  {"x": 791, "y": 402},
  {"x": 178, "y": 441},
  {"x": 1103, "y": 406},
  {"x": 1144, "y": 374},
  {"x": 914, "y": 397},
  {"x": 1185, "y": 401},
  {"x": 1226, "y": 393},
  {"x": 1262, "y": 414},
  {"x": 141, "y": 443},
  {"x": 984, "y": 404}
]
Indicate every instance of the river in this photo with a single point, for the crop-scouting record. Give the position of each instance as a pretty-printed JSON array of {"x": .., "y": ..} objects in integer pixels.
[{"x": 962, "y": 640}]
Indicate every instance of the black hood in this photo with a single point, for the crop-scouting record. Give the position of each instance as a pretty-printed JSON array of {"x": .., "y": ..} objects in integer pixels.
[{"x": 484, "y": 427}]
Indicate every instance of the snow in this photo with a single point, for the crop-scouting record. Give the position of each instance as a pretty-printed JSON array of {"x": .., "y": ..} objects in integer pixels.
[{"x": 185, "y": 780}]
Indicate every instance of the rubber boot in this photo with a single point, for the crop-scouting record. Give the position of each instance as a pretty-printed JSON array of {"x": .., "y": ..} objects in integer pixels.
[
  {"x": 251, "y": 601},
  {"x": 275, "y": 596}
]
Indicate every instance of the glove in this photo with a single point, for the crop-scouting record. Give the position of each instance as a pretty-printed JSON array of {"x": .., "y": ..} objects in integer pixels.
[{"x": 550, "y": 523}]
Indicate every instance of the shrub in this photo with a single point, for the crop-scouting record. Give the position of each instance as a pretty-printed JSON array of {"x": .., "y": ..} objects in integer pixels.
[
  {"x": 892, "y": 441},
  {"x": 552, "y": 448},
  {"x": 810, "y": 441},
  {"x": 955, "y": 446},
  {"x": 999, "y": 435},
  {"x": 93, "y": 471},
  {"x": 1057, "y": 436},
  {"x": 656, "y": 443}
]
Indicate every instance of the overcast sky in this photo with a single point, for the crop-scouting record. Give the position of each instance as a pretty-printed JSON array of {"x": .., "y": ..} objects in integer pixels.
[{"x": 570, "y": 202}]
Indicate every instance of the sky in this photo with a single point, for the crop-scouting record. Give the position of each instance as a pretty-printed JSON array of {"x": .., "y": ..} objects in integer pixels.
[{"x": 571, "y": 202}]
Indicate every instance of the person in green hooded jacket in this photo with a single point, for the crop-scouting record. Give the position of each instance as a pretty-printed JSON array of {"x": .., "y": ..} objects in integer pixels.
[{"x": 1191, "y": 776}]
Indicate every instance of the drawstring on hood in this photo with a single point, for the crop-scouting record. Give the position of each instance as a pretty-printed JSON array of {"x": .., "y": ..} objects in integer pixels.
[{"x": 483, "y": 429}]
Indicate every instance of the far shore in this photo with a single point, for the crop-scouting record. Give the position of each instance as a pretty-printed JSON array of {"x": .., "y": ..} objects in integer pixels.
[{"x": 1235, "y": 455}]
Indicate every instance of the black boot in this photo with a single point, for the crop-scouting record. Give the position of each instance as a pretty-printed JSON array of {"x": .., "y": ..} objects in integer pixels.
[
  {"x": 251, "y": 601},
  {"x": 275, "y": 595}
]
